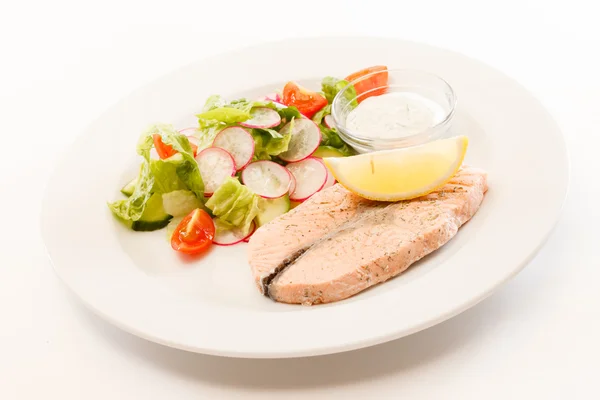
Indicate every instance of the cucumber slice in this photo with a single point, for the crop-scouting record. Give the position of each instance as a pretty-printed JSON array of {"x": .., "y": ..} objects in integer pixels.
[
  {"x": 180, "y": 203},
  {"x": 154, "y": 216},
  {"x": 327, "y": 151},
  {"x": 128, "y": 189},
  {"x": 269, "y": 209}
]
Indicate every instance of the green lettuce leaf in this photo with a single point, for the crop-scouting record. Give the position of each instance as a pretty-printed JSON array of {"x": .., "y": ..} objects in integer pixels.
[
  {"x": 287, "y": 114},
  {"x": 330, "y": 137},
  {"x": 218, "y": 114},
  {"x": 318, "y": 117},
  {"x": 131, "y": 209},
  {"x": 185, "y": 165},
  {"x": 234, "y": 204},
  {"x": 331, "y": 86},
  {"x": 161, "y": 176}
]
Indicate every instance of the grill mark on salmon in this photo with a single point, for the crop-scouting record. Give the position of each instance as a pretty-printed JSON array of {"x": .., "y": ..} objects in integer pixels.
[{"x": 342, "y": 244}]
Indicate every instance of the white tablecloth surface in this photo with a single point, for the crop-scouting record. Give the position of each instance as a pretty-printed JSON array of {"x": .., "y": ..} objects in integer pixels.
[{"x": 63, "y": 62}]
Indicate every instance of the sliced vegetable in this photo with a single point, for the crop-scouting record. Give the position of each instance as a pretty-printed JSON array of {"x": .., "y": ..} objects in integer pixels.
[
  {"x": 128, "y": 189},
  {"x": 171, "y": 226},
  {"x": 273, "y": 97},
  {"x": 373, "y": 85},
  {"x": 331, "y": 87},
  {"x": 182, "y": 165},
  {"x": 238, "y": 142},
  {"x": 269, "y": 209},
  {"x": 216, "y": 165},
  {"x": 328, "y": 121},
  {"x": 330, "y": 180},
  {"x": 194, "y": 234},
  {"x": 179, "y": 203},
  {"x": 154, "y": 216},
  {"x": 307, "y": 102},
  {"x": 234, "y": 203},
  {"x": 247, "y": 239},
  {"x": 306, "y": 137},
  {"x": 194, "y": 141},
  {"x": 311, "y": 176},
  {"x": 327, "y": 151},
  {"x": 228, "y": 235},
  {"x": 267, "y": 179},
  {"x": 268, "y": 143},
  {"x": 262, "y": 117},
  {"x": 292, "y": 182},
  {"x": 163, "y": 150},
  {"x": 186, "y": 167}
]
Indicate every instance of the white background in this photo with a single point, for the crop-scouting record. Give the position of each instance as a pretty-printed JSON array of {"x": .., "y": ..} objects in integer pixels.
[{"x": 63, "y": 62}]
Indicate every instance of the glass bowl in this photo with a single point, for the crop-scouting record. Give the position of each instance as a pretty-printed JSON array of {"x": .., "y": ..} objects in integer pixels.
[{"x": 412, "y": 82}]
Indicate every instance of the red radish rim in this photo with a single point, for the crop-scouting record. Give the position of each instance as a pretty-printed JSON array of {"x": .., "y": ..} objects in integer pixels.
[
  {"x": 208, "y": 194},
  {"x": 187, "y": 129},
  {"x": 278, "y": 166},
  {"x": 251, "y": 140},
  {"x": 292, "y": 181},
  {"x": 318, "y": 190},
  {"x": 259, "y": 126},
  {"x": 251, "y": 232},
  {"x": 327, "y": 124},
  {"x": 254, "y": 228},
  {"x": 312, "y": 152}
]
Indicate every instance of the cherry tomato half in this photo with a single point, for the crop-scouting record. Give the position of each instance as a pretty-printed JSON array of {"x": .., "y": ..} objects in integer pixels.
[
  {"x": 306, "y": 101},
  {"x": 376, "y": 81},
  {"x": 194, "y": 234},
  {"x": 163, "y": 150}
]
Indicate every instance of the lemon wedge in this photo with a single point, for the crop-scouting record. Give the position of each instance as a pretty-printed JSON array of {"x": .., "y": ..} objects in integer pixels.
[{"x": 400, "y": 174}]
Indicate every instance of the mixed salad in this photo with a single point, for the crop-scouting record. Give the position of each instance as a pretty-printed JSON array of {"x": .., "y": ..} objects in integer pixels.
[{"x": 247, "y": 162}]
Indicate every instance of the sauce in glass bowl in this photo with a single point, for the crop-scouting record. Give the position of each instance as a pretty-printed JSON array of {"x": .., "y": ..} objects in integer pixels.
[{"x": 414, "y": 107}]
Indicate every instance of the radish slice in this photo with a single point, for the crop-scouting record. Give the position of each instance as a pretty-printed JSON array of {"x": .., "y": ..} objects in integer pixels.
[
  {"x": 274, "y": 97},
  {"x": 311, "y": 175},
  {"x": 330, "y": 180},
  {"x": 233, "y": 236},
  {"x": 188, "y": 131},
  {"x": 238, "y": 142},
  {"x": 262, "y": 117},
  {"x": 194, "y": 140},
  {"x": 306, "y": 137},
  {"x": 267, "y": 179},
  {"x": 215, "y": 165},
  {"x": 328, "y": 121},
  {"x": 247, "y": 239},
  {"x": 292, "y": 182}
]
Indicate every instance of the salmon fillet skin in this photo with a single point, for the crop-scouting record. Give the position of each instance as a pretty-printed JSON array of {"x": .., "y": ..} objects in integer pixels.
[{"x": 337, "y": 244}]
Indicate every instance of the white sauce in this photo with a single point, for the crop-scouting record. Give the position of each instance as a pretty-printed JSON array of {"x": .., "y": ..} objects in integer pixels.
[{"x": 394, "y": 115}]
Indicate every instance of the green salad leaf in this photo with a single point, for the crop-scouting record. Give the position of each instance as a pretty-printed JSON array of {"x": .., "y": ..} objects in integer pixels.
[
  {"x": 331, "y": 86},
  {"x": 218, "y": 114},
  {"x": 186, "y": 167},
  {"x": 330, "y": 137},
  {"x": 318, "y": 117},
  {"x": 131, "y": 209},
  {"x": 234, "y": 204},
  {"x": 178, "y": 172},
  {"x": 287, "y": 114}
]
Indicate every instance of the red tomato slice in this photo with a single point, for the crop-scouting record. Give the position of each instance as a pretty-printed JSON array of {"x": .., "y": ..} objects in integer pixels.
[
  {"x": 163, "y": 150},
  {"x": 194, "y": 149},
  {"x": 376, "y": 81},
  {"x": 306, "y": 101},
  {"x": 194, "y": 234}
]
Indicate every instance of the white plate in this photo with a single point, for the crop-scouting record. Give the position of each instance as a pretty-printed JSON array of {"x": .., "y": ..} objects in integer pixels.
[{"x": 137, "y": 282}]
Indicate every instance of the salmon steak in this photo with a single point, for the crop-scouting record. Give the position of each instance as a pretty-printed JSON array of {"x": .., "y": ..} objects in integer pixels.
[{"x": 337, "y": 244}]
